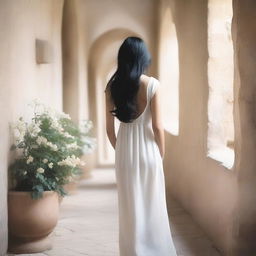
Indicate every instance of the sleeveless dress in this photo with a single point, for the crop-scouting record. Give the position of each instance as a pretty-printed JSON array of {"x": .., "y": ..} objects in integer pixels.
[{"x": 143, "y": 219}]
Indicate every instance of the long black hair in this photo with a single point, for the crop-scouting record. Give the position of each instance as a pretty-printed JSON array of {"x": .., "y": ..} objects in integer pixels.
[{"x": 133, "y": 59}]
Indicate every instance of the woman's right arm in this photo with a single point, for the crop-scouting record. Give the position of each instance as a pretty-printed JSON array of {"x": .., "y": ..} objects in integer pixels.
[
  {"x": 157, "y": 123},
  {"x": 110, "y": 122}
]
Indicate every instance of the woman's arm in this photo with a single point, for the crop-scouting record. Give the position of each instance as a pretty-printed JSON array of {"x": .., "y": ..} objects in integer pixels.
[
  {"x": 157, "y": 124},
  {"x": 110, "y": 125}
]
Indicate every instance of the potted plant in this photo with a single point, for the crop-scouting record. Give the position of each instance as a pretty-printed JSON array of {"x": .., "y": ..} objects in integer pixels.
[
  {"x": 84, "y": 145},
  {"x": 88, "y": 146},
  {"x": 47, "y": 159}
]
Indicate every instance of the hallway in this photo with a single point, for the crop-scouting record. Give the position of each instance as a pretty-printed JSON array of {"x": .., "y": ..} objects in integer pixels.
[
  {"x": 62, "y": 53},
  {"x": 88, "y": 223}
]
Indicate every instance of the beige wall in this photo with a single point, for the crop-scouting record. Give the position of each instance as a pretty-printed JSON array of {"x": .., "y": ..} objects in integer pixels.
[
  {"x": 221, "y": 201},
  {"x": 75, "y": 98},
  {"x": 205, "y": 188},
  {"x": 21, "y": 79},
  {"x": 245, "y": 140}
]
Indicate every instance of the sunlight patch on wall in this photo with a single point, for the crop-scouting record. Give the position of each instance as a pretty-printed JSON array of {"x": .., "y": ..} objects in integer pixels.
[
  {"x": 169, "y": 73},
  {"x": 220, "y": 76}
]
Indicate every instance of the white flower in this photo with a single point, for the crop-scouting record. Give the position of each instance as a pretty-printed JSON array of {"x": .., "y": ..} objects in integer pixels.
[
  {"x": 67, "y": 135},
  {"x": 49, "y": 144},
  {"x": 30, "y": 159},
  {"x": 34, "y": 129},
  {"x": 52, "y": 113},
  {"x": 19, "y": 130},
  {"x": 70, "y": 161},
  {"x": 56, "y": 125},
  {"x": 90, "y": 144},
  {"x": 72, "y": 145},
  {"x": 54, "y": 147},
  {"x": 40, "y": 170},
  {"x": 45, "y": 161},
  {"x": 16, "y": 133},
  {"x": 64, "y": 115},
  {"x": 50, "y": 165},
  {"x": 86, "y": 126},
  {"x": 24, "y": 173},
  {"x": 41, "y": 140}
]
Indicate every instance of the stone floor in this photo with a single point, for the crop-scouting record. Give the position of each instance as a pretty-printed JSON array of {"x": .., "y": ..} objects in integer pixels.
[{"x": 88, "y": 223}]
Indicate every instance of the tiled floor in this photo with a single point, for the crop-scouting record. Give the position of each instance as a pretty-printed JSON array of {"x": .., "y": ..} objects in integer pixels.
[{"x": 88, "y": 223}]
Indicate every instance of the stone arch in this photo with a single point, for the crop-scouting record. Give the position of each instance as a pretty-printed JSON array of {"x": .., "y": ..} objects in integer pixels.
[{"x": 102, "y": 59}]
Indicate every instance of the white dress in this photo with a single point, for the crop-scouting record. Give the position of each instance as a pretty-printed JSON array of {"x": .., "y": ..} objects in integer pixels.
[{"x": 143, "y": 220}]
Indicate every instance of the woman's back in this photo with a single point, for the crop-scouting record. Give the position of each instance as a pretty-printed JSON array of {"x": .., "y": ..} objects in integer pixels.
[
  {"x": 143, "y": 219},
  {"x": 141, "y": 99}
]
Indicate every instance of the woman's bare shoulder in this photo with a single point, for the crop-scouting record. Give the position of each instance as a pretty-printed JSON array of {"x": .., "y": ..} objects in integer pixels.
[{"x": 145, "y": 79}]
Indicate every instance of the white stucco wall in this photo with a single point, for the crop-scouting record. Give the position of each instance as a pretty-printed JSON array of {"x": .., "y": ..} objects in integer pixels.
[{"x": 21, "y": 79}]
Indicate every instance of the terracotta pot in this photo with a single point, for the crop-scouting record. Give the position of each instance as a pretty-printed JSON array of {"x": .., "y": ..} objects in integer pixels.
[{"x": 31, "y": 221}]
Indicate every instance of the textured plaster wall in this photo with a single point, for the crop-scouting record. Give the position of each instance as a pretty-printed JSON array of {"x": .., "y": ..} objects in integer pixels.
[
  {"x": 222, "y": 201},
  {"x": 206, "y": 189},
  {"x": 21, "y": 79},
  {"x": 244, "y": 35}
]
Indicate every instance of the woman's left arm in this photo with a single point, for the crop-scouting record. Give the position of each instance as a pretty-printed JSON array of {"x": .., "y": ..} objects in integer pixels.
[{"x": 110, "y": 122}]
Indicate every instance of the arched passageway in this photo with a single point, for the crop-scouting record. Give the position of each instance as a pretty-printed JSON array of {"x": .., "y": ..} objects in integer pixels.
[
  {"x": 101, "y": 65},
  {"x": 203, "y": 55}
]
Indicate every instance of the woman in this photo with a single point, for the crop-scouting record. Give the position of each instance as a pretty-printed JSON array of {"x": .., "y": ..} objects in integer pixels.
[{"x": 133, "y": 98}]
